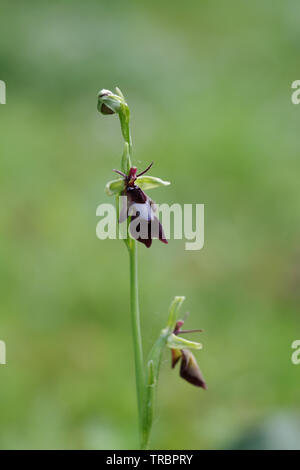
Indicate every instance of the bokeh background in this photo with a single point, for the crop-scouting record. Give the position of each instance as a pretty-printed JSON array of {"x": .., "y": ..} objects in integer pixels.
[{"x": 209, "y": 86}]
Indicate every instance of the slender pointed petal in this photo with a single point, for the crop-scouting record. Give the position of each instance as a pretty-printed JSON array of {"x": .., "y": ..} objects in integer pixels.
[
  {"x": 145, "y": 171},
  {"x": 120, "y": 173}
]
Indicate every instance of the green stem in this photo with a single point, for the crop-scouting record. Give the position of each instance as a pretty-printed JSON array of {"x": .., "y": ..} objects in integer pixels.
[
  {"x": 153, "y": 367},
  {"x": 136, "y": 331},
  {"x": 124, "y": 116}
]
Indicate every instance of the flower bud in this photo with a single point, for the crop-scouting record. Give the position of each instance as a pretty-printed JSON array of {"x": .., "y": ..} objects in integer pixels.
[
  {"x": 108, "y": 102},
  {"x": 114, "y": 103}
]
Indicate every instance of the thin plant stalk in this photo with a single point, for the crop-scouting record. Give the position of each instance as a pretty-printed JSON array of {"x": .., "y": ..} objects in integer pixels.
[
  {"x": 136, "y": 330},
  {"x": 134, "y": 294}
]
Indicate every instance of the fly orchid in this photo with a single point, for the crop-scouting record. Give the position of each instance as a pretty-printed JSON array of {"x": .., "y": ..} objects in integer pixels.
[
  {"x": 189, "y": 369},
  {"x": 144, "y": 225},
  {"x": 139, "y": 211}
]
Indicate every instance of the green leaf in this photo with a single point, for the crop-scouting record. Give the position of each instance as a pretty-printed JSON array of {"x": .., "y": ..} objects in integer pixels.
[
  {"x": 176, "y": 342},
  {"x": 114, "y": 187},
  {"x": 150, "y": 182}
]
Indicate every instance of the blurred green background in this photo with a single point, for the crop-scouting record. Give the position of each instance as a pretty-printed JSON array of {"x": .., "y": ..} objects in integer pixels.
[{"x": 209, "y": 86}]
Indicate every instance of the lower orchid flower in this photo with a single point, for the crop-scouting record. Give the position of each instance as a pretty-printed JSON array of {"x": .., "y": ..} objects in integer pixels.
[{"x": 189, "y": 369}]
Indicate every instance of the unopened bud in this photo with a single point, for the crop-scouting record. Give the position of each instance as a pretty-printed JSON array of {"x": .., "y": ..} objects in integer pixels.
[
  {"x": 114, "y": 103},
  {"x": 108, "y": 102}
]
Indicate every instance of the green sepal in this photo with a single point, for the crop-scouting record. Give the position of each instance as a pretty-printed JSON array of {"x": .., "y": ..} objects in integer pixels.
[
  {"x": 114, "y": 187},
  {"x": 150, "y": 182},
  {"x": 173, "y": 312}
]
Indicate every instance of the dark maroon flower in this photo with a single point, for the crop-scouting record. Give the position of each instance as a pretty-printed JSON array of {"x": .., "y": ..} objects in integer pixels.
[
  {"x": 189, "y": 369},
  {"x": 144, "y": 225}
]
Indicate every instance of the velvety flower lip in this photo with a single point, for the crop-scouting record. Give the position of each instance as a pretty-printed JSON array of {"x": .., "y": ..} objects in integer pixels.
[
  {"x": 189, "y": 369},
  {"x": 141, "y": 207}
]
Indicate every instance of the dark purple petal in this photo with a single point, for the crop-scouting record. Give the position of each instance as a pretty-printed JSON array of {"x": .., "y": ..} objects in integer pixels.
[
  {"x": 189, "y": 369},
  {"x": 140, "y": 206},
  {"x": 134, "y": 195},
  {"x": 161, "y": 234},
  {"x": 144, "y": 231},
  {"x": 156, "y": 229}
]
